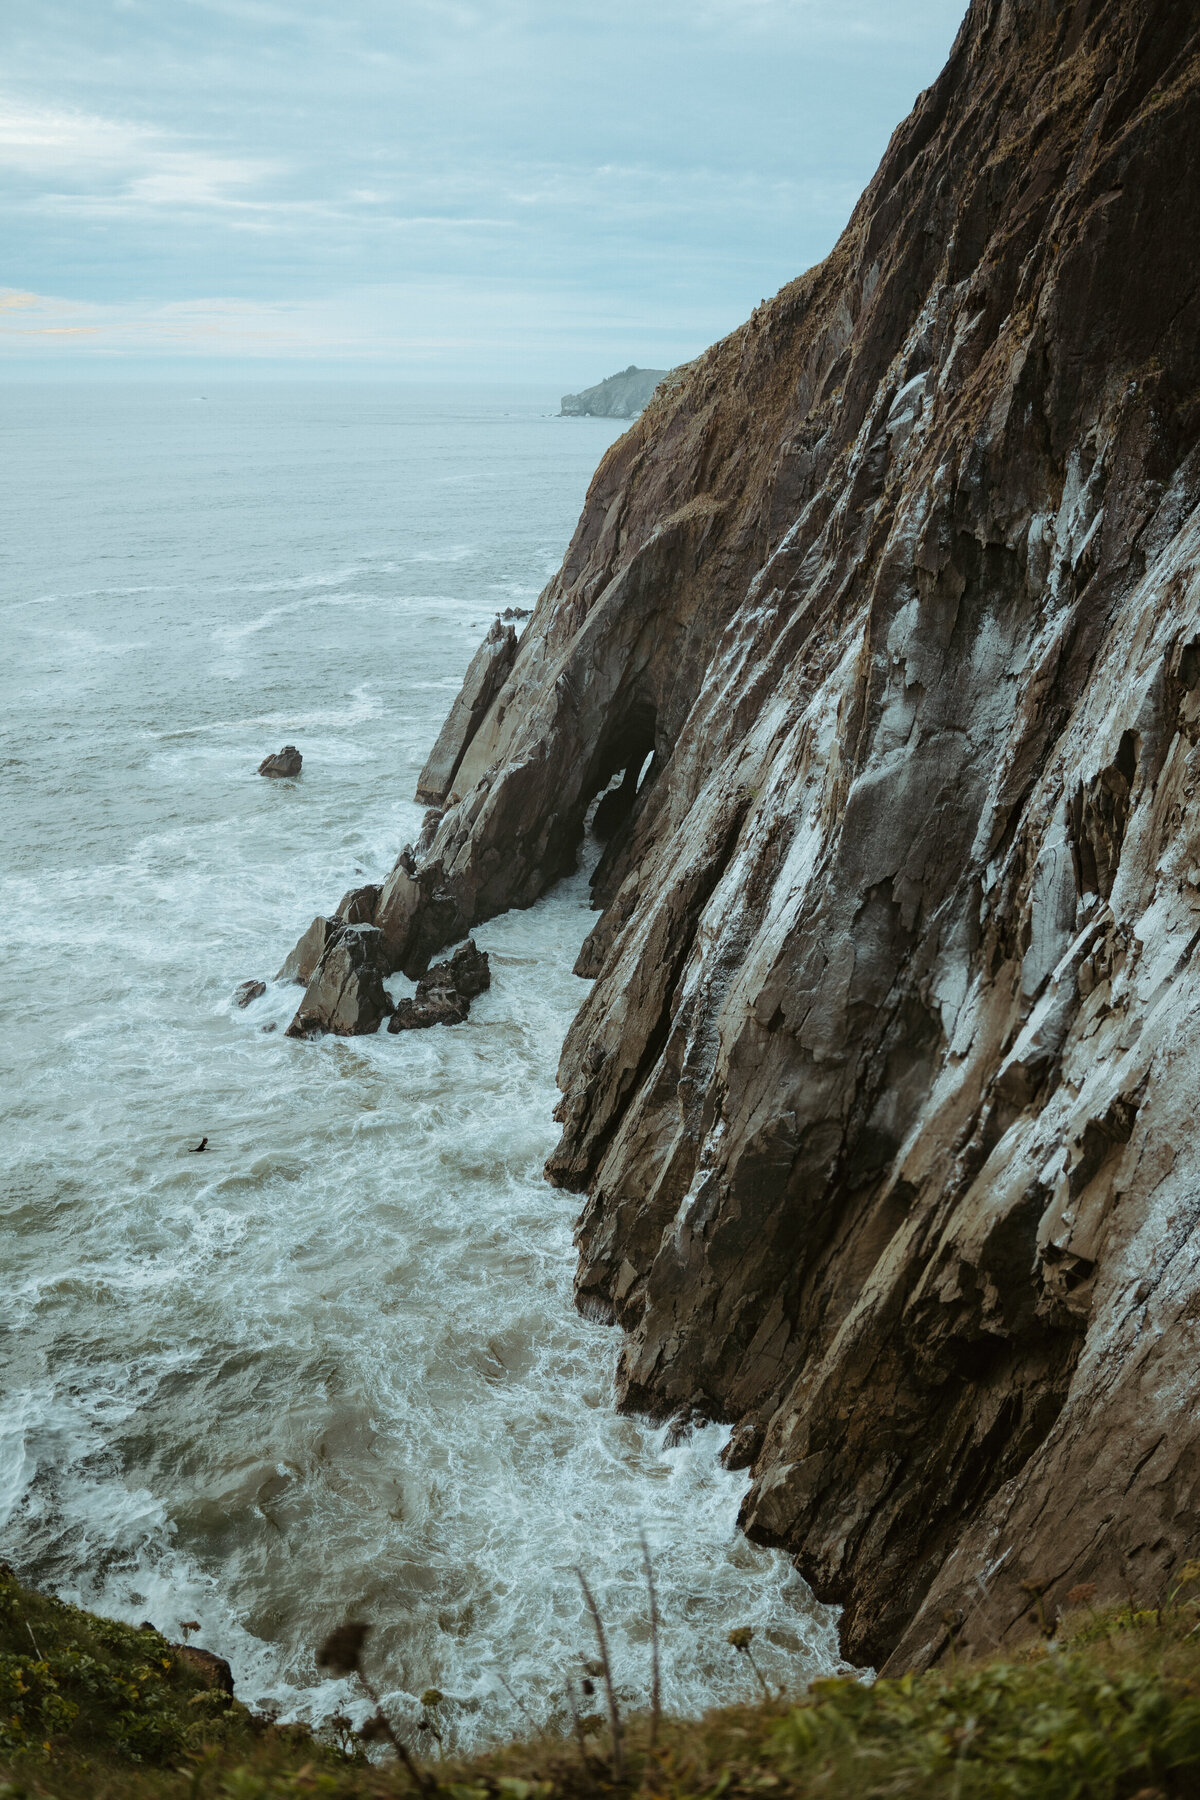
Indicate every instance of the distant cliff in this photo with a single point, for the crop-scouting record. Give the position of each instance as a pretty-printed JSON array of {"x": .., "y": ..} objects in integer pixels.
[
  {"x": 619, "y": 397},
  {"x": 883, "y": 1098}
]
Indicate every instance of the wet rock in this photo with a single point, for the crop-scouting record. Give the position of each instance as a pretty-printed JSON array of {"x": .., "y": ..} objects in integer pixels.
[
  {"x": 444, "y": 995},
  {"x": 346, "y": 994},
  {"x": 488, "y": 669},
  {"x": 287, "y": 761},
  {"x": 358, "y": 906},
  {"x": 881, "y": 1098},
  {"x": 517, "y": 612},
  {"x": 309, "y": 949},
  {"x": 247, "y": 991}
]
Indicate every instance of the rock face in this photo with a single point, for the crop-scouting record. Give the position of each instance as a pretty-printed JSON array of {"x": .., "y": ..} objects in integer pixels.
[
  {"x": 287, "y": 761},
  {"x": 488, "y": 668},
  {"x": 346, "y": 994},
  {"x": 246, "y": 991},
  {"x": 882, "y": 1099},
  {"x": 618, "y": 397},
  {"x": 444, "y": 995},
  {"x": 310, "y": 947}
]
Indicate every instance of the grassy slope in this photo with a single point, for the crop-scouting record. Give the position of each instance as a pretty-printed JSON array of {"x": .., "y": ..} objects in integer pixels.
[{"x": 1112, "y": 1712}]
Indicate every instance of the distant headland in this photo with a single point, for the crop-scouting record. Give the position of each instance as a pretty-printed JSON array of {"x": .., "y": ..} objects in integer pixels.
[{"x": 619, "y": 397}]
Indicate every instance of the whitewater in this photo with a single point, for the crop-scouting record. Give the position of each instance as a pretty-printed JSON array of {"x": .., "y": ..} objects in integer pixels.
[{"x": 331, "y": 1367}]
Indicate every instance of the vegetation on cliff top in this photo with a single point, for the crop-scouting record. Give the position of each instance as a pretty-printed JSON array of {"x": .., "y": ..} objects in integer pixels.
[{"x": 1107, "y": 1710}]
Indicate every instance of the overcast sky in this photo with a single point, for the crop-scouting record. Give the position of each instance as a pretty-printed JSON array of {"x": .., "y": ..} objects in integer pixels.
[{"x": 504, "y": 189}]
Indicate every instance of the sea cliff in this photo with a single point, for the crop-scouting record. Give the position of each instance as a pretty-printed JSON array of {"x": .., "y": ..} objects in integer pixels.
[{"x": 881, "y": 1100}]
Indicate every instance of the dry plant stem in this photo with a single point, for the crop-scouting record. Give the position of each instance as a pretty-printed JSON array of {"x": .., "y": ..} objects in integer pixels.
[
  {"x": 420, "y": 1781},
  {"x": 655, "y": 1681},
  {"x": 762, "y": 1680},
  {"x": 614, "y": 1716},
  {"x": 577, "y": 1725},
  {"x": 518, "y": 1703}
]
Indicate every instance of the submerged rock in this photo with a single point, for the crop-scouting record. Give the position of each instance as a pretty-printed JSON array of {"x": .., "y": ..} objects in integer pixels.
[
  {"x": 346, "y": 994},
  {"x": 444, "y": 995},
  {"x": 287, "y": 761},
  {"x": 248, "y": 991}
]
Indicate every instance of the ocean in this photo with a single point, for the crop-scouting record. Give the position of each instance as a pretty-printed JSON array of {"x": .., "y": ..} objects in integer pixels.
[{"x": 330, "y": 1368}]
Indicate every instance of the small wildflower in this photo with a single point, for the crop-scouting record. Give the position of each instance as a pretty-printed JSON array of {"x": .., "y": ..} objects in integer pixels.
[
  {"x": 741, "y": 1637},
  {"x": 431, "y": 1697},
  {"x": 373, "y": 1729}
]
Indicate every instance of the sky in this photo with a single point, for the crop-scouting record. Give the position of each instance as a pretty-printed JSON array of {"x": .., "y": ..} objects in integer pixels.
[{"x": 504, "y": 190}]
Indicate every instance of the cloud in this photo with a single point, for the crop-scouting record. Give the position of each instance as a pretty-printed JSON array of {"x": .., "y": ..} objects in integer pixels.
[{"x": 119, "y": 168}]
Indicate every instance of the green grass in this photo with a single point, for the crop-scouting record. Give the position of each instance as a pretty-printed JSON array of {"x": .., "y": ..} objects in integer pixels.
[{"x": 1109, "y": 1712}]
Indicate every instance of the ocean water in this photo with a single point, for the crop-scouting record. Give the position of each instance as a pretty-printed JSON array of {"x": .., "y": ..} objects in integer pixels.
[{"x": 331, "y": 1367}]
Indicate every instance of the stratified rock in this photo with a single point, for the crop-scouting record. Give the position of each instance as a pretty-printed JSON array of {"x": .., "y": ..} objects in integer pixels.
[
  {"x": 882, "y": 1097},
  {"x": 616, "y": 397},
  {"x": 247, "y": 991},
  {"x": 358, "y": 906},
  {"x": 309, "y": 948},
  {"x": 284, "y": 762},
  {"x": 444, "y": 995},
  {"x": 485, "y": 676},
  {"x": 346, "y": 994}
]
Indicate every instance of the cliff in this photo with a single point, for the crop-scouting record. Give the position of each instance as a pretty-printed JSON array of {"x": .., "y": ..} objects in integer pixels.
[
  {"x": 882, "y": 1097},
  {"x": 617, "y": 397}
]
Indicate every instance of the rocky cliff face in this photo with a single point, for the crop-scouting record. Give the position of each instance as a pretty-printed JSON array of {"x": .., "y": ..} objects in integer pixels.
[{"x": 882, "y": 1099}]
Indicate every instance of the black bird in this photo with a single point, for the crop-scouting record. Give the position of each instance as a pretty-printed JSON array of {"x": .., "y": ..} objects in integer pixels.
[{"x": 197, "y": 1148}]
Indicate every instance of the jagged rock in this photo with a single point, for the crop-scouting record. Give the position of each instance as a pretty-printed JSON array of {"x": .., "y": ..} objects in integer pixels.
[
  {"x": 346, "y": 994},
  {"x": 616, "y": 397},
  {"x": 517, "y": 612},
  {"x": 881, "y": 1098},
  {"x": 444, "y": 995},
  {"x": 358, "y": 906},
  {"x": 309, "y": 948},
  {"x": 247, "y": 991},
  {"x": 485, "y": 675},
  {"x": 287, "y": 761}
]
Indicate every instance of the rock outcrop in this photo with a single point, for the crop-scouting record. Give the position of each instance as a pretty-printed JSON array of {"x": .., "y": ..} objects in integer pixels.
[
  {"x": 485, "y": 676},
  {"x": 882, "y": 1097},
  {"x": 616, "y": 397},
  {"x": 246, "y": 991},
  {"x": 444, "y": 995},
  {"x": 345, "y": 994},
  {"x": 285, "y": 762}
]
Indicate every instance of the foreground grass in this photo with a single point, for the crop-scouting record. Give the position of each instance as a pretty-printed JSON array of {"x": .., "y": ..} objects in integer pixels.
[{"x": 1111, "y": 1712}]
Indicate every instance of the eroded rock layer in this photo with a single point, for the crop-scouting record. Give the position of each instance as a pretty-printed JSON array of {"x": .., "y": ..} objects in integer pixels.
[{"x": 882, "y": 1098}]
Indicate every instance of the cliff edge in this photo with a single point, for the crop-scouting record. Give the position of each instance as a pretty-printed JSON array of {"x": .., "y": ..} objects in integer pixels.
[{"x": 888, "y": 611}]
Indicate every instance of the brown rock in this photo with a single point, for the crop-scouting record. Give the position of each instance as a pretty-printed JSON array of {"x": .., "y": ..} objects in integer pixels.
[
  {"x": 485, "y": 676},
  {"x": 358, "y": 906},
  {"x": 287, "y": 761},
  {"x": 881, "y": 1098},
  {"x": 309, "y": 949},
  {"x": 346, "y": 994},
  {"x": 214, "y": 1671},
  {"x": 444, "y": 995},
  {"x": 247, "y": 991}
]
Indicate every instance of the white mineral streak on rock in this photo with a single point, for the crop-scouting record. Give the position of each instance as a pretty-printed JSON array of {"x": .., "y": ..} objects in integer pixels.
[{"x": 883, "y": 1097}]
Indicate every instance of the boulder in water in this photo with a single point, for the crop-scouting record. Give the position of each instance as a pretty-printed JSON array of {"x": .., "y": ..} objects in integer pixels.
[
  {"x": 284, "y": 762},
  {"x": 247, "y": 991},
  {"x": 346, "y": 994},
  {"x": 444, "y": 995}
]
